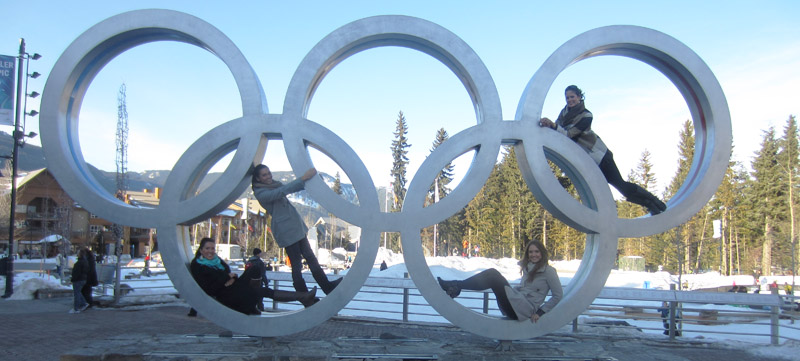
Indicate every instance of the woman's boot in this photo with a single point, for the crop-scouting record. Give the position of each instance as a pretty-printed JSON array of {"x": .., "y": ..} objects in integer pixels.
[
  {"x": 451, "y": 287},
  {"x": 305, "y": 298}
]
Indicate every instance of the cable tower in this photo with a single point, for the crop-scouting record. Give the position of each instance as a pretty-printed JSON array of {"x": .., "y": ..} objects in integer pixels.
[{"x": 122, "y": 177}]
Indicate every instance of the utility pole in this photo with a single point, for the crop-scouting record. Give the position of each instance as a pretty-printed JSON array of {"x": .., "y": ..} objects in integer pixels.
[
  {"x": 19, "y": 140},
  {"x": 122, "y": 177}
]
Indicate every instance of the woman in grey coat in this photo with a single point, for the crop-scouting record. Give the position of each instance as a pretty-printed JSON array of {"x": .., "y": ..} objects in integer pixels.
[
  {"x": 288, "y": 227},
  {"x": 523, "y": 302}
]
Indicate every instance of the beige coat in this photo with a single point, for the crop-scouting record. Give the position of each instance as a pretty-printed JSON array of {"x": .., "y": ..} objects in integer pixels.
[{"x": 529, "y": 297}]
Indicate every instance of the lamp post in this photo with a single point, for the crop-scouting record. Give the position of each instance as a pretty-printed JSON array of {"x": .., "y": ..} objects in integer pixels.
[{"x": 19, "y": 138}]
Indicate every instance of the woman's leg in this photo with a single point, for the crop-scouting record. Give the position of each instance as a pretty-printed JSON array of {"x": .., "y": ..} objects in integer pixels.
[
  {"x": 633, "y": 193},
  {"x": 296, "y": 259},
  {"x": 313, "y": 265},
  {"x": 490, "y": 279}
]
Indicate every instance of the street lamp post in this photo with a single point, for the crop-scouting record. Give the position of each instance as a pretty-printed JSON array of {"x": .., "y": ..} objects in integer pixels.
[{"x": 19, "y": 137}]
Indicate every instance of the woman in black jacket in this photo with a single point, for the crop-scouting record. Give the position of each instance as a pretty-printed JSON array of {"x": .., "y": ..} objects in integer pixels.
[
  {"x": 80, "y": 273},
  {"x": 238, "y": 293}
]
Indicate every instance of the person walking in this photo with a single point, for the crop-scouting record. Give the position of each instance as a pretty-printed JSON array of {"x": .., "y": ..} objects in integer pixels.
[
  {"x": 287, "y": 226},
  {"x": 91, "y": 278},
  {"x": 80, "y": 273}
]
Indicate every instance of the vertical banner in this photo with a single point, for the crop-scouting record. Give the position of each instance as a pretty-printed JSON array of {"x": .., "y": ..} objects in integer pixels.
[{"x": 7, "y": 89}]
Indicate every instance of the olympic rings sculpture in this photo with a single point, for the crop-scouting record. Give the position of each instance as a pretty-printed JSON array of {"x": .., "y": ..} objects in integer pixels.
[{"x": 249, "y": 135}]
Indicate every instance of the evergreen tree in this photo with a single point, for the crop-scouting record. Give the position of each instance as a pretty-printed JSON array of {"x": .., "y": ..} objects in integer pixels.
[
  {"x": 682, "y": 244},
  {"x": 399, "y": 162},
  {"x": 337, "y": 184},
  {"x": 765, "y": 196},
  {"x": 789, "y": 164},
  {"x": 443, "y": 231}
]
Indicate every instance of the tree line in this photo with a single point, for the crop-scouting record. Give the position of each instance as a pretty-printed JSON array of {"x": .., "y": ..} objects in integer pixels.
[{"x": 754, "y": 211}]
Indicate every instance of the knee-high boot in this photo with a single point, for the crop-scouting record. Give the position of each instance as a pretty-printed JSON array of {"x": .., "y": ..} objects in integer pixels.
[
  {"x": 646, "y": 199},
  {"x": 452, "y": 288},
  {"x": 305, "y": 298}
]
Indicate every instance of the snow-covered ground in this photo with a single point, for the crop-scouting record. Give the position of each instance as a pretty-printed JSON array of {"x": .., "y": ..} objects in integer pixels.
[{"x": 158, "y": 288}]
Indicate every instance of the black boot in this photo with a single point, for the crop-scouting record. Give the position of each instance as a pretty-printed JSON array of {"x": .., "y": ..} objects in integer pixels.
[
  {"x": 305, "y": 298},
  {"x": 646, "y": 199},
  {"x": 451, "y": 287},
  {"x": 332, "y": 285}
]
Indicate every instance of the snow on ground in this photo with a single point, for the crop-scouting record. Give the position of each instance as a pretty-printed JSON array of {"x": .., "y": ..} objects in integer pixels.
[{"x": 157, "y": 288}]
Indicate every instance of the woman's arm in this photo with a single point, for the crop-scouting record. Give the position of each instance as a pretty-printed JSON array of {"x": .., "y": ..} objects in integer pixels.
[
  {"x": 551, "y": 276},
  {"x": 267, "y": 195}
]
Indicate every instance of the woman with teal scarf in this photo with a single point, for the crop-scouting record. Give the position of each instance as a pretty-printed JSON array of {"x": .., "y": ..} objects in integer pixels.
[{"x": 215, "y": 278}]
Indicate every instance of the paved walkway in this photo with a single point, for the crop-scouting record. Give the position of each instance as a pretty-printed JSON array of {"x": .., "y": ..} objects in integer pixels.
[{"x": 43, "y": 330}]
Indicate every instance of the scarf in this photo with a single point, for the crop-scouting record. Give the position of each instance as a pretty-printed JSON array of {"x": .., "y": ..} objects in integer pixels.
[
  {"x": 569, "y": 116},
  {"x": 213, "y": 263}
]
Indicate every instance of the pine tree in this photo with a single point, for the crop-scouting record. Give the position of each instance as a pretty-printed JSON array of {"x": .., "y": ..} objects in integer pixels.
[
  {"x": 399, "y": 162},
  {"x": 765, "y": 195},
  {"x": 683, "y": 242},
  {"x": 789, "y": 165},
  {"x": 337, "y": 184},
  {"x": 438, "y": 190}
]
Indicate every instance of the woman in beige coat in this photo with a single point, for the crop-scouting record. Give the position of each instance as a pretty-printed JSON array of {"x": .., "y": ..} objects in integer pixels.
[{"x": 523, "y": 302}]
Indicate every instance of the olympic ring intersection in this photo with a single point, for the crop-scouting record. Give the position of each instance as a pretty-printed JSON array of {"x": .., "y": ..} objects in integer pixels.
[{"x": 248, "y": 137}]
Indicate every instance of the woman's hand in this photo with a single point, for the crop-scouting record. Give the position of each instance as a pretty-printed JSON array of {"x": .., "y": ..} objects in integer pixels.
[
  {"x": 309, "y": 174},
  {"x": 546, "y": 122},
  {"x": 231, "y": 279},
  {"x": 534, "y": 318}
]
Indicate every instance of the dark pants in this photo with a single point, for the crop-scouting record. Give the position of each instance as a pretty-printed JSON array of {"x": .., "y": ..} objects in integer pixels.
[
  {"x": 296, "y": 252},
  {"x": 86, "y": 291},
  {"x": 632, "y": 192},
  {"x": 491, "y": 278}
]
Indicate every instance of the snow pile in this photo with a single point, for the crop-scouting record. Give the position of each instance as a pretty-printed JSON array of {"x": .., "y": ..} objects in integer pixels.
[{"x": 27, "y": 283}]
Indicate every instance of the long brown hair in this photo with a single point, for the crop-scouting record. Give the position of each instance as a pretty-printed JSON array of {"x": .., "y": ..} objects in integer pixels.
[
  {"x": 539, "y": 265},
  {"x": 202, "y": 243}
]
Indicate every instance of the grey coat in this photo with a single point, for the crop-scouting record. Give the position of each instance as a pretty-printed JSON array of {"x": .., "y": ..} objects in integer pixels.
[
  {"x": 528, "y": 297},
  {"x": 287, "y": 226}
]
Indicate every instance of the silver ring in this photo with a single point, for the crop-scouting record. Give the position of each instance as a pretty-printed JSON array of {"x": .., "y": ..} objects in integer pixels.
[{"x": 247, "y": 135}]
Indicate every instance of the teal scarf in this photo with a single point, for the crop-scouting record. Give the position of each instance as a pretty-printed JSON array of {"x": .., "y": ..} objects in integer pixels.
[{"x": 213, "y": 263}]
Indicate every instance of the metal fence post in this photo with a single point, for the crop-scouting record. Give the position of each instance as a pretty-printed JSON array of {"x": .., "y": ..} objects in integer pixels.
[
  {"x": 486, "y": 302},
  {"x": 405, "y": 300},
  {"x": 575, "y": 325},
  {"x": 774, "y": 328},
  {"x": 274, "y": 287},
  {"x": 672, "y": 305}
]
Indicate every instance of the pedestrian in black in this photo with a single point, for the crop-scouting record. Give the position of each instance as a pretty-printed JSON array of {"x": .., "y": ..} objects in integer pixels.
[
  {"x": 91, "y": 278},
  {"x": 80, "y": 273}
]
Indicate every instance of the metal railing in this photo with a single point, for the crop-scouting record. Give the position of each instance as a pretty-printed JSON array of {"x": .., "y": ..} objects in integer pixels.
[{"x": 686, "y": 311}]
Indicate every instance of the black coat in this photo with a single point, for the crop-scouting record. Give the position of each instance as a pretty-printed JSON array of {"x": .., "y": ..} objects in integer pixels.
[
  {"x": 80, "y": 270},
  {"x": 239, "y": 296},
  {"x": 91, "y": 276}
]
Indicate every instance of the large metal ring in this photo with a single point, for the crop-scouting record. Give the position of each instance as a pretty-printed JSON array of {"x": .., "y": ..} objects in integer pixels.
[{"x": 248, "y": 135}]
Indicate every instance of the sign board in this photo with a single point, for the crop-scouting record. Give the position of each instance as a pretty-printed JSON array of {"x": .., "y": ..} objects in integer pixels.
[
  {"x": 717, "y": 228},
  {"x": 7, "y": 89}
]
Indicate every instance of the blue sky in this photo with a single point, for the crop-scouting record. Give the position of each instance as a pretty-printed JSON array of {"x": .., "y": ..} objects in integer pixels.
[{"x": 176, "y": 92}]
